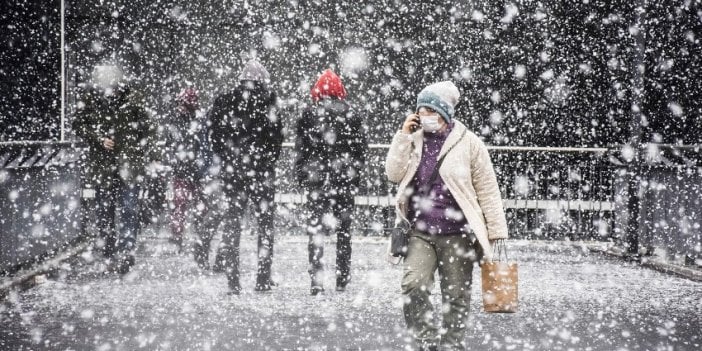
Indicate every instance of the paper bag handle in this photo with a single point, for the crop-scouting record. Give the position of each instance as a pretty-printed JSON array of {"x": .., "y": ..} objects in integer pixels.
[{"x": 499, "y": 250}]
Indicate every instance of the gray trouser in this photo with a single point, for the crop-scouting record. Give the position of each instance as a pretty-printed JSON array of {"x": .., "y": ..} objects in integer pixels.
[
  {"x": 260, "y": 195},
  {"x": 454, "y": 256}
]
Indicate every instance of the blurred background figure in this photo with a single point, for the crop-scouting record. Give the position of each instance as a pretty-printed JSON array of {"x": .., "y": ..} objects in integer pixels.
[
  {"x": 189, "y": 156},
  {"x": 247, "y": 137},
  {"x": 331, "y": 152},
  {"x": 112, "y": 121}
]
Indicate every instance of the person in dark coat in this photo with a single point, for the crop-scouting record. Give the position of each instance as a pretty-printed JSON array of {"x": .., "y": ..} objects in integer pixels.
[
  {"x": 248, "y": 138},
  {"x": 331, "y": 153},
  {"x": 112, "y": 121},
  {"x": 189, "y": 156}
]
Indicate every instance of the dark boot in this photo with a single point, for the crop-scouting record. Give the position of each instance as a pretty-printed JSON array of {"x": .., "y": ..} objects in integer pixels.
[
  {"x": 316, "y": 290},
  {"x": 341, "y": 282},
  {"x": 234, "y": 287},
  {"x": 263, "y": 284},
  {"x": 125, "y": 263}
]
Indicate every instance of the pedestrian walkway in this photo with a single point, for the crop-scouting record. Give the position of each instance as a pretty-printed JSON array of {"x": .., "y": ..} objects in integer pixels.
[{"x": 571, "y": 299}]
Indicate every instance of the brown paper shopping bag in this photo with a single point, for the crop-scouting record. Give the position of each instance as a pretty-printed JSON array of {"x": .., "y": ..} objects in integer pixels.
[{"x": 499, "y": 284}]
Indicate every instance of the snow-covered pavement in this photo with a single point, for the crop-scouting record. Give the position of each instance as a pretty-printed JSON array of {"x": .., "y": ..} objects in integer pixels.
[{"x": 570, "y": 299}]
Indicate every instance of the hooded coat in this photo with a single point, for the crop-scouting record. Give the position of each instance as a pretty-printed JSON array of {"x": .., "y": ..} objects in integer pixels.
[
  {"x": 331, "y": 141},
  {"x": 468, "y": 174},
  {"x": 246, "y": 133},
  {"x": 122, "y": 118},
  {"x": 189, "y": 152}
]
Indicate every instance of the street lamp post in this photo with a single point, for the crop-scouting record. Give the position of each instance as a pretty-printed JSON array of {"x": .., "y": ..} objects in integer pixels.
[
  {"x": 63, "y": 71},
  {"x": 635, "y": 139}
]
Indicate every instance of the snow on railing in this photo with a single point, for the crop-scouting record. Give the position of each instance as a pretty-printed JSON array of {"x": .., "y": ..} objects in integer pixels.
[
  {"x": 557, "y": 189},
  {"x": 26, "y": 154},
  {"x": 542, "y": 187},
  {"x": 504, "y": 148}
]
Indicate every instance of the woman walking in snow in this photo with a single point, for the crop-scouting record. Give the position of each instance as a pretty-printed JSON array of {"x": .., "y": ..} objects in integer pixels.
[{"x": 448, "y": 194}]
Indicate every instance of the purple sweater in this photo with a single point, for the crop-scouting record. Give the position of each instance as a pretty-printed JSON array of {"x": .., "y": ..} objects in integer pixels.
[{"x": 438, "y": 213}]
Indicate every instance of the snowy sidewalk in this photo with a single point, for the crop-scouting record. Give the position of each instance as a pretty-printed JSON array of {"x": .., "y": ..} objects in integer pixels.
[{"x": 570, "y": 298}]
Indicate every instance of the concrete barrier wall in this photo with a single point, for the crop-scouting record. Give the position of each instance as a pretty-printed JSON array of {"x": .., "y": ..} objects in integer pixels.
[
  {"x": 39, "y": 201},
  {"x": 658, "y": 204},
  {"x": 671, "y": 210}
]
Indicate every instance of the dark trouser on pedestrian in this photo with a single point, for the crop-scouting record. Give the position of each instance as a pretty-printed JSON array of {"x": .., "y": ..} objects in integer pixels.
[
  {"x": 260, "y": 196},
  {"x": 153, "y": 200},
  {"x": 188, "y": 200},
  {"x": 119, "y": 243},
  {"x": 330, "y": 213},
  {"x": 208, "y": 217},
  {"x": 453, "y": 255}
]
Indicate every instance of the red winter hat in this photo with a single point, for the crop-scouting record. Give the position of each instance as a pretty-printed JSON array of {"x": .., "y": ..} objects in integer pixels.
[
  {"x": 328, "y": 85},
  {"x": 189, "y": 98}
]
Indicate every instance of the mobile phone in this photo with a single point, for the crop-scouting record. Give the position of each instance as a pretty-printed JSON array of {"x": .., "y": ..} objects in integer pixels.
[{"x": 415, "y": 127}]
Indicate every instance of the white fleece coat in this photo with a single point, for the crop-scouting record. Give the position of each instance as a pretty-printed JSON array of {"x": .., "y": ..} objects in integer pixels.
[{"x": 468, "y": 174}]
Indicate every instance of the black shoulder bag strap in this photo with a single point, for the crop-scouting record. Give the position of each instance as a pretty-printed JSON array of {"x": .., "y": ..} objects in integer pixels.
[{"x": 425, "y": 189}]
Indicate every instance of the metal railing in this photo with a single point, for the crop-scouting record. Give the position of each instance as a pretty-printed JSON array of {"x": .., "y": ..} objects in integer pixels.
[
  {"x": 547, "y": 192},
  {"x": 27, "y": 154},
  {"x": 574, "y": 193}
]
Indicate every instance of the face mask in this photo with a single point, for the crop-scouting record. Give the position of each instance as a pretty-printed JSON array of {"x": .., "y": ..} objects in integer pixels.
[{"x": 430, "y": 123}]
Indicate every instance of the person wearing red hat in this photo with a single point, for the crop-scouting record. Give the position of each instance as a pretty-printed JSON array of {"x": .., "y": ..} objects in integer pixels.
[
  {"x": 328, "y": 85},
  {"x": 331, "y": 153}
]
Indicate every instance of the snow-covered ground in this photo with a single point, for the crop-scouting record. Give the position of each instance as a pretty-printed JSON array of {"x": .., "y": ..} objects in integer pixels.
[{"x": 570, "y": 299}]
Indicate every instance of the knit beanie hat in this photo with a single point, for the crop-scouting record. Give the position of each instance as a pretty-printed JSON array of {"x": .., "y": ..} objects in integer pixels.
[
  {"x": 107, "y": 76},
  {"x": 188, "y": 98},
  {"x": 254, "y": 70},
  {"x": 328, "y": 85},
  {"x": 441, "y": 97}
]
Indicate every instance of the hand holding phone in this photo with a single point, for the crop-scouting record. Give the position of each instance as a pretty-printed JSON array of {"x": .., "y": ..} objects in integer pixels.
[{"x": 411, "y": 124}]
